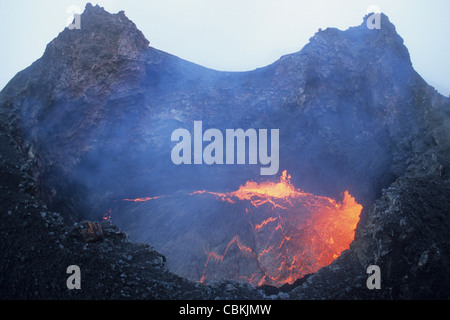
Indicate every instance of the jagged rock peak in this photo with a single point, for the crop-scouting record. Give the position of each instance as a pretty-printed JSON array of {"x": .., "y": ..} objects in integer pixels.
[
  {"x": 384, "y": 21},
  {"x": 382, "y": 29},
  {"x": 99, "y": 29},
  {"x": 365, "y": 40}
]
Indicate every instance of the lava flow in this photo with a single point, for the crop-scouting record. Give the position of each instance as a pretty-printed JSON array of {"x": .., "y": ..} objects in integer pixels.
[
  {"x": 143, "y": 199},
  {"x": 260, "y": 193},
  {"x": 294, "y": 233},
  {"x": 262, "y": 233}
]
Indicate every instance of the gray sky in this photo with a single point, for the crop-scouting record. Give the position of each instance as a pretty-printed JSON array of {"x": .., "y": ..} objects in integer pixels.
[{"x": 232, "y": 35}]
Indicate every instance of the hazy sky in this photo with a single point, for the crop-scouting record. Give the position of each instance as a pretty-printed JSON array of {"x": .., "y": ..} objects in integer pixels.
[{"x": 233, "y": 35}]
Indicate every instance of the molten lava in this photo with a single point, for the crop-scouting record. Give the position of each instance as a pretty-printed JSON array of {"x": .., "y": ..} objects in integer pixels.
[
  {"x": 262, "y": 233},
  {"x": 143, "y": 199},
  {"x": 264, "y": 192},
  {"x": 295, "y": 233}
]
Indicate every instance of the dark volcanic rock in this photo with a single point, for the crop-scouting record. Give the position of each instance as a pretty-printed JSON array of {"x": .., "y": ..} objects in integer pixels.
[
  {"x": 349, "y": 107},
  {"x": 89, "y": 123},
  {"x": 37, "y": 247},
  {"x": 407, "y": 235}
]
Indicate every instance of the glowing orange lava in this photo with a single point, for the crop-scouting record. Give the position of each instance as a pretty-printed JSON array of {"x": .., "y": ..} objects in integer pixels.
[
  {"x": 276, "y": 234},
  {"x": 261, "y": 193},
  {"x": 142, "y": 199},
  {"x": 295, "y": 233},
  {"x": 107, "y": 215}
]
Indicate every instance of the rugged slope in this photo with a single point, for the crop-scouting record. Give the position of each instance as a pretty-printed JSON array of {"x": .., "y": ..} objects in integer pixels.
[
  {"x": 37, "y": 246},
  {"x": 91, "y": 120}
]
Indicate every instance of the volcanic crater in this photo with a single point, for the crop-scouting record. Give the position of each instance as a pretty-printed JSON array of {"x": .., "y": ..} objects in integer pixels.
[{"x": 363, "y": 179}]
